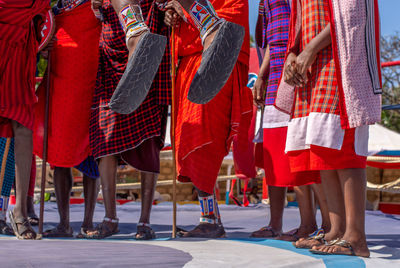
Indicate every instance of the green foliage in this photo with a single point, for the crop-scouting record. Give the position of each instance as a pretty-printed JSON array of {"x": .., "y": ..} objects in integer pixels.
[
  {"x": 390, "y": 51},
  {"x": 252, "y": 41},
  {"x": 42, "y": 65}
]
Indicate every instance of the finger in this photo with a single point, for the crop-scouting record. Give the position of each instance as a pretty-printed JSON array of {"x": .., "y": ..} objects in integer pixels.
[
  {"x": 296, "y": 81},
  {"x": 290, "y": 72},
  {"x": 260, "y": 103},
  {"x": 299, "y": 77}
]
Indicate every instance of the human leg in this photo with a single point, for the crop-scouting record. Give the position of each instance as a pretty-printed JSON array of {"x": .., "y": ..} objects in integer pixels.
[{"x": 148, "y": 186}]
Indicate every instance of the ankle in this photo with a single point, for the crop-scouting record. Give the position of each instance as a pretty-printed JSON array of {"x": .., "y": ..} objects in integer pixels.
[
  {"x": 87, "y": 224},
  {"x": 333, "y": 234},
  {"x": 275, "y": 226},
  {"x": 308, "y": 228},
  {"x": 63, "y": 225}
]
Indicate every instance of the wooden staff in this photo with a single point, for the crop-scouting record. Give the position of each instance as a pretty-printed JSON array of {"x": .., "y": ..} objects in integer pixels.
[
  {"x": 173, "y": 76},
  {"x": 44, "y": 162}
]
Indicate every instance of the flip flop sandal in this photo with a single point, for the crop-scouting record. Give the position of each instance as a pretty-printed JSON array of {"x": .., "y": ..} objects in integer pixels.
[
  {"x": 258, "y": 233},
  {"x": 291, "y": 233},
  {"x": 103, "y": 230},
  {"x": 139, "y": 74},
  {"x": 144, "y": 232},
  {"x": 5, "y": 229},
  {"x": 338, "y": 242},
  {"x": 180, "y": 231},
  {"x": 217, "y": 63},
  {"x": 58, "y": 233},
  {"x": 318, "y": 235},
  {"x": 203, "y": 231},
  {"x": 83, "y": 233},
  {"x": 22, "y": 228},
  {"x": 33, "y": 219}
]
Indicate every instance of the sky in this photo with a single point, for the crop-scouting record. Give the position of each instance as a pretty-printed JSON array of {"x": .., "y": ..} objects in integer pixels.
[{"x": 389, "y": 13}]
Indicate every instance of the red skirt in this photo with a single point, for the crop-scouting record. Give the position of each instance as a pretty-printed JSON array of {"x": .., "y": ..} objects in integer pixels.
[
  {"x": 244, "y": 160},
  {"x": 321, "y": 158},
  {"x": 276, "y": 162},
  {"x": 22, "y": 114},
  {"x": 74, "y": 62},
  {"x": 18, "y": 49},
  {"x": 204, "y": 133}
]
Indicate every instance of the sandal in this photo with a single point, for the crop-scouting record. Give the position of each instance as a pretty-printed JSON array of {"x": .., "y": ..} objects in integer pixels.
[
  {"x": 22, "y": 228},
  {"x": 102, "y": 230},
  {"x": 33, "y": 219},
  {"x": 339, "y": 243},
  {"x": 290, "y": 236},
  {"x": 144, "y": 232},
  {"x": 262, "y": 233},
  {"x": 5, "y": 229},
  {"x": 205, "y": 230},
  {"x": 58, "y": 232},
  {"x": 318, "y": 236},
  {"x": 83, "y": 233}
]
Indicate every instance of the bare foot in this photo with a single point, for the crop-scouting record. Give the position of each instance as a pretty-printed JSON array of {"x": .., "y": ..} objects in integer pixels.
[
  {"x": 308, "y": 242},
  {"x": 345, "y": 247},
  {"x": 296, "y": 234}
]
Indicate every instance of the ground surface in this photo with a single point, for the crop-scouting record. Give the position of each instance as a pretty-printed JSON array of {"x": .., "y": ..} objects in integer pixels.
[{"x": 235, "y": 251}]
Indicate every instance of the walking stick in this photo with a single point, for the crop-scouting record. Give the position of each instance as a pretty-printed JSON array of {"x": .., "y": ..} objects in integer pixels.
[
  {"x": 173, "y": 75},
  {"x": 46, "y": 122}
]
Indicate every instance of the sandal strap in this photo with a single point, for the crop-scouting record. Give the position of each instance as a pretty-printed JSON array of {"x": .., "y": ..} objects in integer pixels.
[
  {"x": 207, "y": 220},
  {"x": 116, "y": 220},
  {"x": 273, "y": 232},
  {"x": 343, "y": 243},
  {"x": 25, "y": 227},
  {"x": 143, "y": 224},
  {"x": 333, "y": 242},
  {"x": 317, "y": 235}
]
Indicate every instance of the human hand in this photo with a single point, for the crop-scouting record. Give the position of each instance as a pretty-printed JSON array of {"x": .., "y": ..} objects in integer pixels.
[
  {"x": 290, "y": 73},
  {"x": 303, "y": 63},
  {"x": 259, "y": 91},
  {"x": 174, "y": 14},
  {"x": 96, "y": 4},
  {"x": 45, "y": 51}
]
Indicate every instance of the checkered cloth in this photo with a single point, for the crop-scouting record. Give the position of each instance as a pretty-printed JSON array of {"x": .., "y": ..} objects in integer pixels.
[
  {"x": 112, "y": 133},
  {"x": 276, "y": 18},
  {"x": 9, "y": 174},
  {"x": 321, "y": 93}
]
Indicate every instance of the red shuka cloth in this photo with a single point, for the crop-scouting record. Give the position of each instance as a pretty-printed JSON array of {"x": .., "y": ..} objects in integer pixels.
[
  {"x": 18, "y": 48},
  {"x": 203, "y": 133},
  {"x": 74, "y": 62}
]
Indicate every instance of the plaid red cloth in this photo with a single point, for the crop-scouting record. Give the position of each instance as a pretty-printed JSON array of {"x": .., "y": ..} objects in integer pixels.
[
  {"x": 321, "y": 93},
  {"x": 112, "y": 133},
  {"x": 276, "y": 18}
]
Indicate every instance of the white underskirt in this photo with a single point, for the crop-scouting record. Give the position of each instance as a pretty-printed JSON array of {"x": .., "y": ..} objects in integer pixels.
[{"x": 323, "y": 129}]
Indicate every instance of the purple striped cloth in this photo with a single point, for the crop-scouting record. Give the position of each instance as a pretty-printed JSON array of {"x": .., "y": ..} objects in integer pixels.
[{"x": 276, "y": 19}]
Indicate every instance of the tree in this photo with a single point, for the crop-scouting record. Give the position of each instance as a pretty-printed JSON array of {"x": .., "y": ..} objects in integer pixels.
[{"x": 390, "y": 51}]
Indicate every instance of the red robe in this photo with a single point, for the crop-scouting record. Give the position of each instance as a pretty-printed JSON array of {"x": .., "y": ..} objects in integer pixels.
[
  {"x": 74, "y": 62},
  {"x": 203, "y": 133},
  {"x": 18, "y": 48}
]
